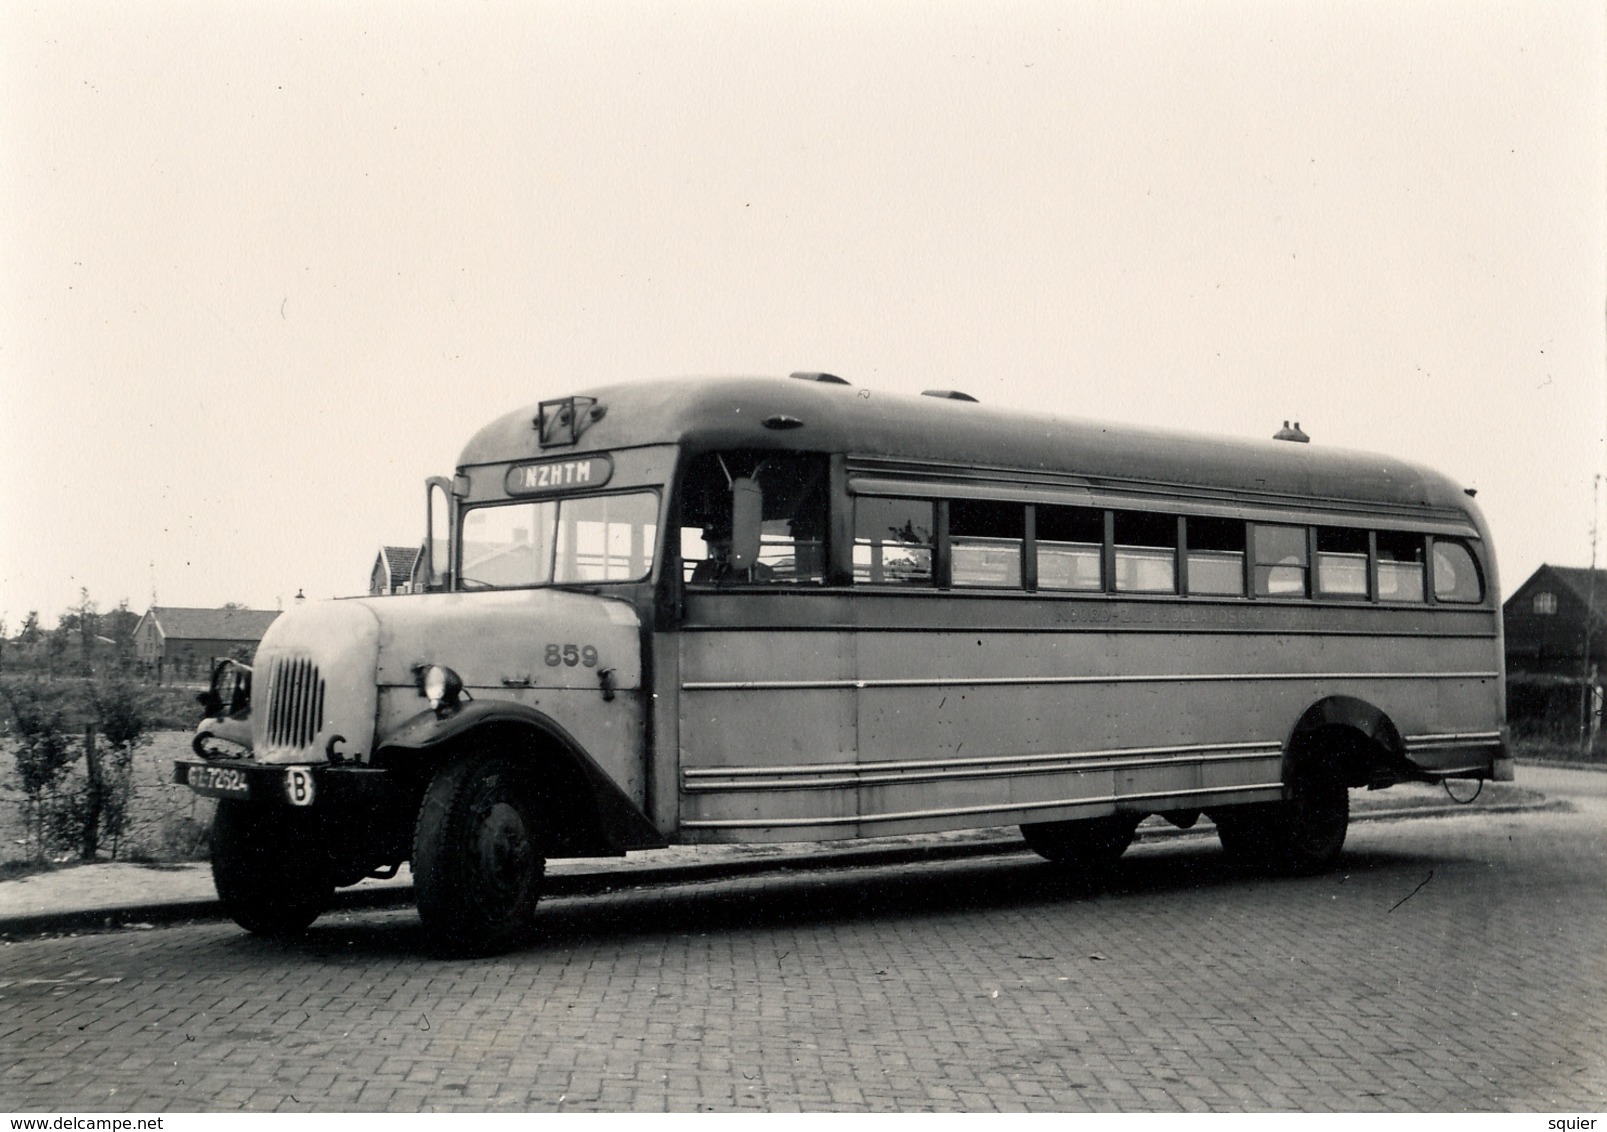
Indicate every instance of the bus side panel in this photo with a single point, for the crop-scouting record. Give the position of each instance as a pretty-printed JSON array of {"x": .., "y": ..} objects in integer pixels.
[
  {"x": 1095, "y": 705},
  {"x": 755, "y": 730},
  {"x": 1189, "y": 719},
  {"x": 895, "y": 728}
]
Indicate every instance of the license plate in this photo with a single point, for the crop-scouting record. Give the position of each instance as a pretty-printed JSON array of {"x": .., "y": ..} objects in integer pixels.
[{"x": 219, "y": 781}]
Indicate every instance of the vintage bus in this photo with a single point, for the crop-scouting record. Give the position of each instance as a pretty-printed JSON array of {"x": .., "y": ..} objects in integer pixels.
[{"x": 790, "y": 609}]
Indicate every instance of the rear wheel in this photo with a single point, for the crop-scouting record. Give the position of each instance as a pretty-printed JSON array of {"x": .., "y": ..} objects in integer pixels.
[
  {"x": 1091, "y": 842},
  {"x": 477, "y": 859},
  {"x": 270, "y": 868},
  {"x": 1299, "y": 836}
]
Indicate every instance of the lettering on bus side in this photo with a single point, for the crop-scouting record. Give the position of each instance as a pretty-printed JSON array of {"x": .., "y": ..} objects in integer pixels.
[
  {"x": 1162, "y": 614},
  {"x": 558, "y": 475}
]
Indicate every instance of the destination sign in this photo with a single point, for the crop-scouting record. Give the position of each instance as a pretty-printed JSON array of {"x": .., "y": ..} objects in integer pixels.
[{"x": 559, "y": 475}]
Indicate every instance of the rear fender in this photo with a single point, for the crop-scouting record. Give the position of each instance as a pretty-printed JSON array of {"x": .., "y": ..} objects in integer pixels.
[{"x": 1360, "y": 740}]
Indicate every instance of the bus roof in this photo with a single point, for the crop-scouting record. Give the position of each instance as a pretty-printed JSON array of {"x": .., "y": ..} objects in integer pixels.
[{"x": 704, "y": 414}]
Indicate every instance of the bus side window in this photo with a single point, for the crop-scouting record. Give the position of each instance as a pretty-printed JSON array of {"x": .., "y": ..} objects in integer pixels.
[
  {"x": 1341, "y": 562},
  {"x": 1280, "y": 561},
  {"x": 985, "y": 541},
  {"x": 1400, "y": 566},
  {"x": 893, "y": 541},
  {"x": 792, "y": 539},
  {"x": 1146, "y": 552},
  {"x": 1456, "y": 573},
  {"x": 1071, "y": 544},
  {"x": 1216, "y": 557}
]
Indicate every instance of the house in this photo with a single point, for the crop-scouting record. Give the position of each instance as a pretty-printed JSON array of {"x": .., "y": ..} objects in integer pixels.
[
  {"x": 1556, "y": 622},
  {"x": 1556, "y": 649},
  {"x": 394, "y": 570},
  {"x": 176, "y": 642}
]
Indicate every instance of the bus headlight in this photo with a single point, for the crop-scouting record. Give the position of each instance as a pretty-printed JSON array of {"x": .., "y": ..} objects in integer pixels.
[{"x": 440, "y": 685}]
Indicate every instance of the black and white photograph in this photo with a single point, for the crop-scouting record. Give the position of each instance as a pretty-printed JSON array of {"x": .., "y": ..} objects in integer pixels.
[{"x": 865, "y": 558}]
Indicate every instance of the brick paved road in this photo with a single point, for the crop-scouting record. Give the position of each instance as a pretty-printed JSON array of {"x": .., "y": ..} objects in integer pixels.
[{"x": 1454, "y": 964}]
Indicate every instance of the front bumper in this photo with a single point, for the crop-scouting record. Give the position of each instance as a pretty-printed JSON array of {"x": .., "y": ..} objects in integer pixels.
[{"x": 279, "y": 785}]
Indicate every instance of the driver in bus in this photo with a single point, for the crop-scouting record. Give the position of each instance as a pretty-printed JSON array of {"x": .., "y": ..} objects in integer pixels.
[{"x": 716, "y": 565}]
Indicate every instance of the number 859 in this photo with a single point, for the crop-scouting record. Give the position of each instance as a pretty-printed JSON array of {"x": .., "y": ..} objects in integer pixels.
[{"x": 572, "y": 655}]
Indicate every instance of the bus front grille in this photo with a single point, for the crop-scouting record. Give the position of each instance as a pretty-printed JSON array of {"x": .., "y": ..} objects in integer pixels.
[{"x": 295, "y": 703}]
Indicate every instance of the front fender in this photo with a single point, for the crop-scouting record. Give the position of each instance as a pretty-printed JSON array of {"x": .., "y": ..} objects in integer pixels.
[
  {"x": 621, "y": 823},
  {"x": 236, "y": 731}
]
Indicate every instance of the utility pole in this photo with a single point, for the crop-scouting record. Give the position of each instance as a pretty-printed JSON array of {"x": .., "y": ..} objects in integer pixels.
[{"x": 1587, "y": 714}]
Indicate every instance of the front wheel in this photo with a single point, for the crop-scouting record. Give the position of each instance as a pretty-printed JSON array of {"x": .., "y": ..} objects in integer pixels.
[
  {"x": 270, "y": 868},
  {"x": 477, "y": 860},
  {"x": 1091, "y": 843}
]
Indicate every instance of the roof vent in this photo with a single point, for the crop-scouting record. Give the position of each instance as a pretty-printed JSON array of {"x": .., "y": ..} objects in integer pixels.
[
  {"x": 948, "y": 395},
  {"x": 825, "y": 378},
  {"x": 1294, "y": 434}
]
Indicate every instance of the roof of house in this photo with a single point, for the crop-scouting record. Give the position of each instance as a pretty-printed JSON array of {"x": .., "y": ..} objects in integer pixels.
[
  {"x": 179, "y": 623},
  {"x": 399, "y": 562},
  {"x": 1577, "y": 580}
]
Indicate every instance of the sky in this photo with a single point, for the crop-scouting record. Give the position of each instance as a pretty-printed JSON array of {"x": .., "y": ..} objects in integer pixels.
[{"x": 269, "y": 265}]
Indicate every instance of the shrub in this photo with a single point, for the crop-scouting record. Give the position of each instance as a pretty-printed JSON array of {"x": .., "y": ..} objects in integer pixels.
[
  {"x": 77, "y": 790},
  {"x": 45, "y": 750}
]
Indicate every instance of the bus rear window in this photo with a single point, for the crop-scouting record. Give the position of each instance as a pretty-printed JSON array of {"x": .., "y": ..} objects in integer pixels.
[{"x": 1456, "y": 573}]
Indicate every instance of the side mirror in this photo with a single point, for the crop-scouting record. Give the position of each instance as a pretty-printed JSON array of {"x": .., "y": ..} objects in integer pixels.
[{"x": 747, "y": 517}]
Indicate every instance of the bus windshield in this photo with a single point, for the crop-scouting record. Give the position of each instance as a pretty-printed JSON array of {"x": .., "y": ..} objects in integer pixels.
[{"x": 600, "y": 538}]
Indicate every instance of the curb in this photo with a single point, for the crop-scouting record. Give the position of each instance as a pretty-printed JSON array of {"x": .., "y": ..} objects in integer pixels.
[
  {"x": 1558, "y": 764},
  {"x": 597, "y": 883}
]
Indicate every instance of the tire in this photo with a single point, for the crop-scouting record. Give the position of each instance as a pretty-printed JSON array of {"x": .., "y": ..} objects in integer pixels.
[
  {"x": 477, "y": 857},
  {"x": 270, "y": 868},
  {"x": 1091, "y": 842},
  {"x": 1301, "y": 836}
]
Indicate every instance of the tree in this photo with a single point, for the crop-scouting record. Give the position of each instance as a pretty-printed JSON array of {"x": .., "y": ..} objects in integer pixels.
[
  {"x": 88, "y": 628},
  {"x": 56, "y": 644},
  {"x": 119, "y": 626},
  {"x": 30, "y": 633},
  {"x": 3, "y": 629}
]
